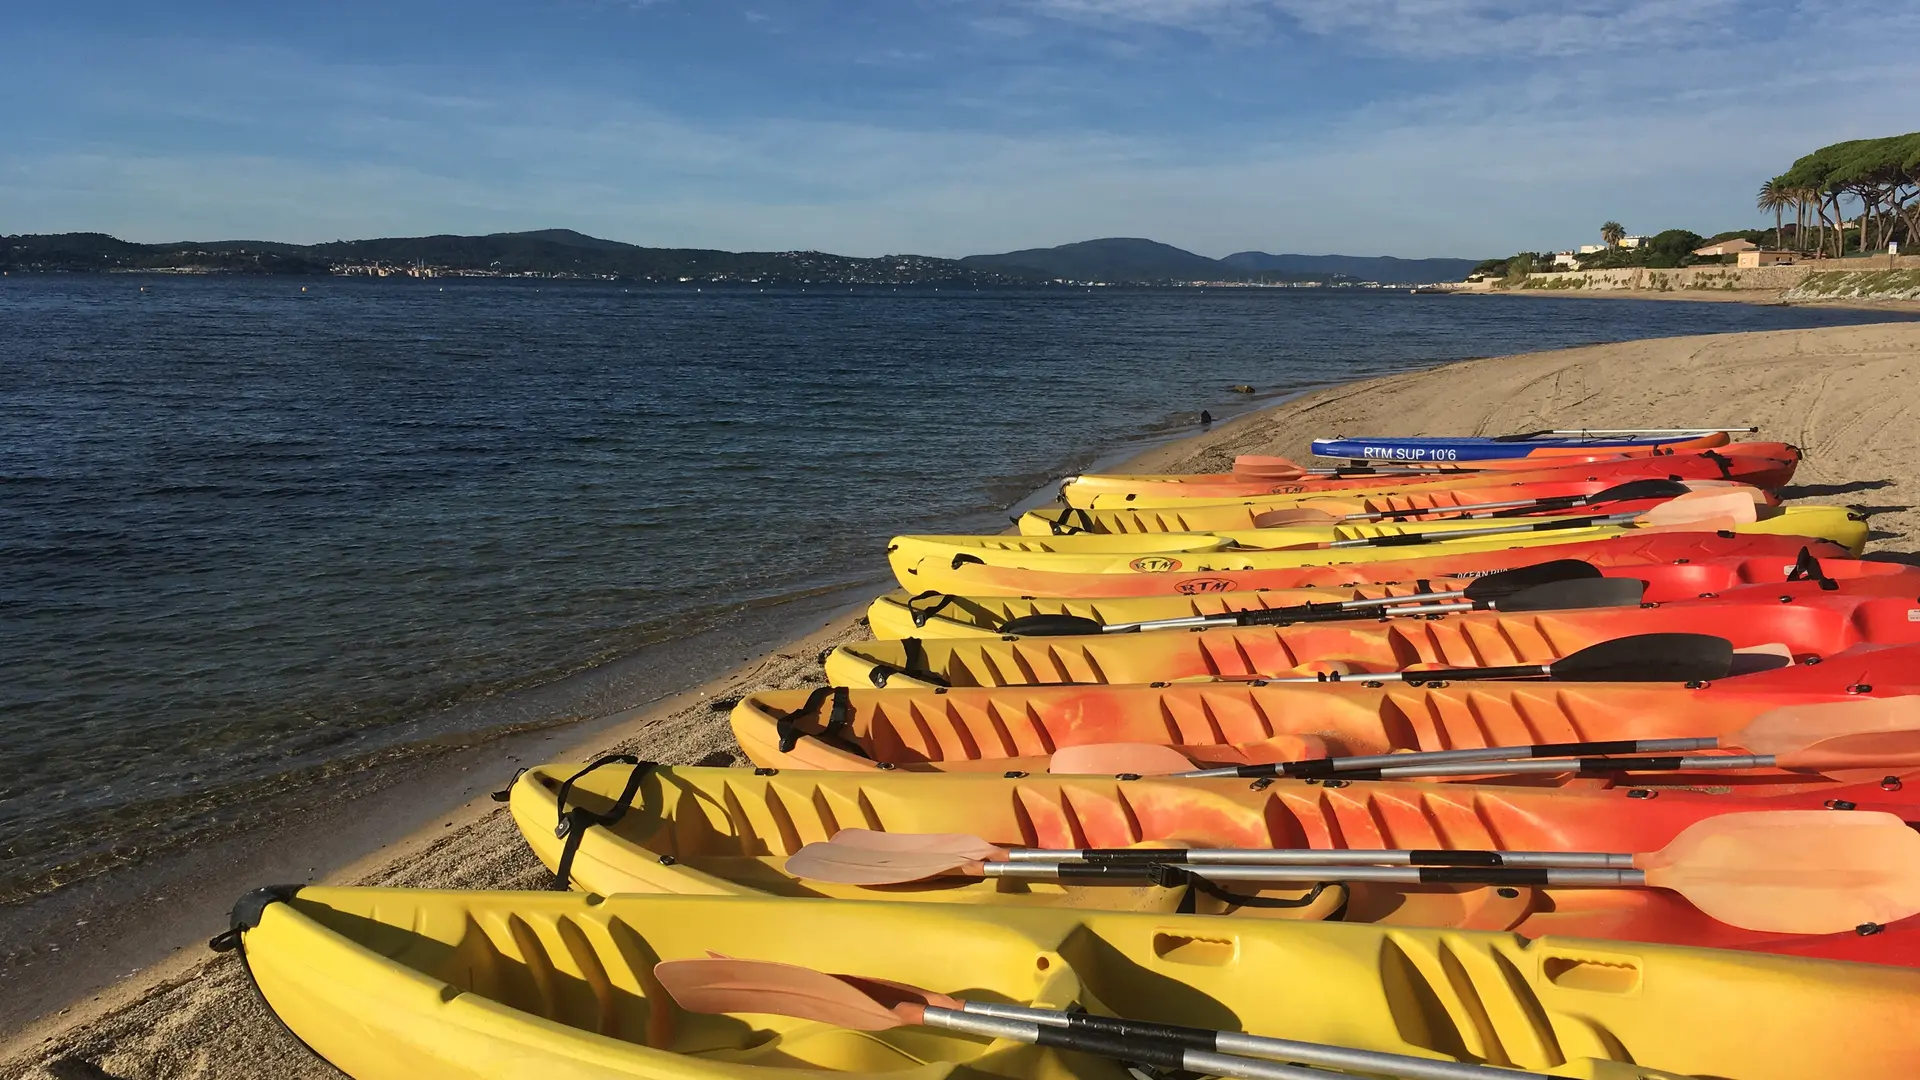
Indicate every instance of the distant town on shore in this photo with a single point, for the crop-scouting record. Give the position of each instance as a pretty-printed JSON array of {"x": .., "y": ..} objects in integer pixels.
[
  {"x": 562, "y": 254},
  {"x": 1849, "y": 200}
]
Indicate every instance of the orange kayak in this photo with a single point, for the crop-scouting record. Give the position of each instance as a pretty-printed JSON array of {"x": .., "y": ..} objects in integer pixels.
[
  {"x": 1647, "y": 549},
  {"x": 1118, "y": 491},
  {"x": 933, "y": 614},
  {"x": 1812, "y": 622},
  {"x": 996, "y": 729},
  {"x": 721, "y": 831}
]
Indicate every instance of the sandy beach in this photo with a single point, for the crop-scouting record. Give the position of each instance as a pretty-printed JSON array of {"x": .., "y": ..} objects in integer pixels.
[{"x": 1847, "y": 395}]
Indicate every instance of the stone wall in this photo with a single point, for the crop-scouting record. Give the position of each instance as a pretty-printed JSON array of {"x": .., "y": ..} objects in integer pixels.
[
  {"x": 1683, "y": 279},
  {"x": 1891, "y": 284}
]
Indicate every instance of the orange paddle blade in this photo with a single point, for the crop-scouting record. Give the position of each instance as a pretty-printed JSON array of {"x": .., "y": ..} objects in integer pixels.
[
  {"x": 1696, "y": 506},
  {"x": 1266, "y": 467},
  {"x": 1760, "y": 498},
  {"x": 850, "y": 865},
  {"x": 727, "y": 985},
  {"x": 1280, "y": 519},
  {"x": 1865, "y": 731},
  {"x": 1794, "y": 871},
  {"x": 1113, "y": 759}
]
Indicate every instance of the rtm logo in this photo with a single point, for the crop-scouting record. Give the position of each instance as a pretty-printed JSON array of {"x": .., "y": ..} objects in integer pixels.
[
  {"x": 1155, "y": 564},
  {"x": 1408, "y": 453}
]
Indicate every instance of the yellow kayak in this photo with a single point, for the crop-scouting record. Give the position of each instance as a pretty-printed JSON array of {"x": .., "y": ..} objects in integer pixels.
[
  {"x": 731, "y": 832},
  {"x": 931, "y": 562},
  {"x": 401, "y": 984},
  {"x": 900, "y": 614}
]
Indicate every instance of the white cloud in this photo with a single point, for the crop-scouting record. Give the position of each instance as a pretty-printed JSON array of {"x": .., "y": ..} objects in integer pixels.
[
  {"x": 1505, "y": 157},
  {"x": 1435, "y": 28}
]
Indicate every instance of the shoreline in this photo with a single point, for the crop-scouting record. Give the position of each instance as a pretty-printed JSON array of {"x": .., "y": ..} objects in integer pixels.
[
  {"x": 1756, "y": 297},
  {"x": 1837, "y": 391}
]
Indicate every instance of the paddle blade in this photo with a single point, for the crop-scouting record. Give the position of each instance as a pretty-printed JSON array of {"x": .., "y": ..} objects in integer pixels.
[
  {"x": 1635, "y": 490},
  {"x": 1794, "y": 871},
  {"x": 1281, "y": 519},
  {"x": 727, "y": 985},
  {"x": 1876, "y": 732},
  {"x": 1700, "y": 506},
  {"x": 1266, "y": 467},
  {"x": 1649, "y": 658},
  {"x": 1113, "y": 759},
  {"x": 1052, "y": 626},
  {"x": 951, "y": 843},
  {"x": 1760, "y": 498},
  {"x": 866, "y": 866},
  {"x": 1567, "y": 595},
  {"x": 1507, "y": 582}
]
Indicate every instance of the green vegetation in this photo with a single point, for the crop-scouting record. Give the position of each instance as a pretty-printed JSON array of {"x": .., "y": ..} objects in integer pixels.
[
  {"x": 1880, "y": 284},
  {"x": 1879, "y": 176}
]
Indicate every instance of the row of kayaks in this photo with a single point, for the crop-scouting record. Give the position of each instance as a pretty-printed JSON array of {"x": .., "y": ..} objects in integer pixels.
[{"x": 1283, "y": 784}]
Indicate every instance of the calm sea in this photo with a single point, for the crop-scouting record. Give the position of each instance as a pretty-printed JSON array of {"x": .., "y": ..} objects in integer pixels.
[{"x": 254, "y": 528}]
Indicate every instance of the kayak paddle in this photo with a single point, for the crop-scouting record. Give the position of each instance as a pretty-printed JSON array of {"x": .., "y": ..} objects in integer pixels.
[
  {"x": 1697, "y": 510},
  {"x": 1556, "y": 596},
  {"x": 1633, "y": 490},
  {"x": 1772, "y": 871},
  {"x": 1560, "y": 584},
  {"x": 722, "y": 984},
  {"x": 1861, "y": 733},
  {"x": 1637, "y": 658},
  {"x": 1578, "y": 432}
]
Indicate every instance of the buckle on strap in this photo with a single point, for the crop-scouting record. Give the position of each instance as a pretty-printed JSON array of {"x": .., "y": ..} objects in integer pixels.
[
  {"x": 788, "y": 728},
  {"x": 921, "y": 615},
  {"x": 574, "y": 822}
]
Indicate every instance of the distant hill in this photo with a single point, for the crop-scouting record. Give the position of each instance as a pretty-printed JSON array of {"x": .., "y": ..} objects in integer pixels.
[
  {"x": 1133, "y": 260},
  {"x": 556, "y": 253},
  {"x": 1117, "y": 259},
  {"x": 564, "y": 253},
  {"x": 1382, "y": 268}
]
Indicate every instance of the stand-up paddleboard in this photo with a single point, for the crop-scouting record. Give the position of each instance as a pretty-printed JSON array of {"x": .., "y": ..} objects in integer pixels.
[{"x": 1524, "y": 445}]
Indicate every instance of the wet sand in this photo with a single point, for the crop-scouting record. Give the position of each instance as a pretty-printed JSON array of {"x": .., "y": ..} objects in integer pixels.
[{"x": 1849, "y": 395}]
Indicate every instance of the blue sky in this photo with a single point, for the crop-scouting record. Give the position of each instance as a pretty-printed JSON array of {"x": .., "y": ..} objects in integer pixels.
[{"x": 943, "y": 127}]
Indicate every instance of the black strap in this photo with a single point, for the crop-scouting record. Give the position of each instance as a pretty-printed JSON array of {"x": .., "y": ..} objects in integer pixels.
[
  {"x": 1807, "y": 568},
  {"x": 921, "y": 615},
  {"x": 913, "y": 665},
  {"x": 1176, "y": 876},
  {"x": 1725, "y": 463},
  {"x": 786, "y": 724},
  {"x": 1060, "y": 527},
  {"x": 574, "y": 822}
]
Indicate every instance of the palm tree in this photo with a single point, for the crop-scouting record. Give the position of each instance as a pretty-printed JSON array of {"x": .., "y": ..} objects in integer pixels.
[
  {"x": 1775, "y": 197},
  {"x": 1612, "y": 233}
]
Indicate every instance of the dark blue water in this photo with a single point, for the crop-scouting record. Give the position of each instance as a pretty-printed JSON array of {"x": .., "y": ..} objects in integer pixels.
[{"x": 247, "y": 529}]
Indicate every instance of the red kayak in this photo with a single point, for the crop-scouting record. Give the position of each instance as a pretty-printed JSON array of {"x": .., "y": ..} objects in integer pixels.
[
  {"x": 1710, "y": 577},
  {"x": 1113, "y": 492},
  {"x": 1651, "y": 549}
]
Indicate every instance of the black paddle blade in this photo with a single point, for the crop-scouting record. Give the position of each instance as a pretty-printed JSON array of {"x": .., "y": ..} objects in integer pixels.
[
  {"x": 1052, "y": 626},
  {"x": 1649, "y": 658},
  {"x": 1586, "y": 593},
  {"x": 1507, "y": 582},
  {"x": 1641, "y": 489}
]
